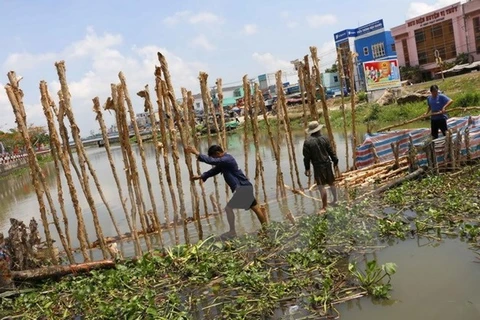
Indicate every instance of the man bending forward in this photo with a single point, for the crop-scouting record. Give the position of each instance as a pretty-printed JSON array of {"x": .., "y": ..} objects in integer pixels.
[{"x": 243, "y": 195}]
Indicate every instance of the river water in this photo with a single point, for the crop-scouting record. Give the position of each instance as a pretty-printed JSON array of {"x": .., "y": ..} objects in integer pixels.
[{"x": 432, "y": 282}]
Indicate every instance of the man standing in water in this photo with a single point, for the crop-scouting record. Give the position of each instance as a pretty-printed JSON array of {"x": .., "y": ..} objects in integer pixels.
[
  {"x": 243, "y": 194},
  {"x": 437, "y": 103},
  {"x": 318, "y": 151}
]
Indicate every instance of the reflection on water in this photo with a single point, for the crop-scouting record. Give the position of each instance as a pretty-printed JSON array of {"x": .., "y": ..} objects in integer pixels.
[
  {"x": 433, "y": 282},
  {"x": 19, "y": 199}
]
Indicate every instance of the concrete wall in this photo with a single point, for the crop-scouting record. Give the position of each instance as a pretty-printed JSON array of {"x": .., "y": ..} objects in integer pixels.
[
  {"x": 471, "y": 10},
  {"x": 407, "y": 31},
  {"x": 331, "y": 80}
]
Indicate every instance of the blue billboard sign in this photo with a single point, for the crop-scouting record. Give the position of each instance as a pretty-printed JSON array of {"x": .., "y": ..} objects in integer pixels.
[
  {"x": 360, "y": 31},
  {"x": 366, "y": 29}
]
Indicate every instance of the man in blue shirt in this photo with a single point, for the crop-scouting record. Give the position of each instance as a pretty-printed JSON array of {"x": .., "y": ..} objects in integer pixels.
[
  {"x": 243, "y": 194},
  {"x": 437, "y": 104}
]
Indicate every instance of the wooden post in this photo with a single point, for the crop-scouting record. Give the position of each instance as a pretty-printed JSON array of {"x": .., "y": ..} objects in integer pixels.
[
  {"x": 316, "y": 66},
  {"x": 137, "y": 196},
  {"x": 467, "y": 144},
  {"x": 55, "y": 151},
  {"x": 131, "y": 112},
  {"x": 196, "y": 143},
  {"x": 163, "y": 133},
  {"x": 352, "y": 101},
  {"x": 148, "y": 107},
  {"x": 412, "y": 155},
  {"x": 185, "y": 137},
  {"x": 275, "y": 147},
  {"x": 246, "y": 111},
  {"x": 344, "y": 116},
  {"x": 15, "y": 95},
  {"x": 169, "y": 103},
  {"x": 66, "y": 159},
  {"x": 82, "y": 158},
  {"x": 288, "y": 132},
  {"x": 458, "y": 149},
  {"x": 256, "y": 132},
  {"x": 103, "y": 129},
  {"x": 207, "y": 102},
  {"x": 219, "y": 84},
  {"x": 311, "y": 96},
  {"x": 120, "y": 118},
  {"x": 395, "y": 151},
  {"x": 224, "y": 144}
]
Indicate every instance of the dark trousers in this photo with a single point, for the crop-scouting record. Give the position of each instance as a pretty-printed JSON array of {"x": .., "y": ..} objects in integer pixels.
[{"x": 438, "y": 124}]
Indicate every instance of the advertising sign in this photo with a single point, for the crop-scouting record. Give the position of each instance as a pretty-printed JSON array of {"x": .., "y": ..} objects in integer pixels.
[
  {"x": 366, "y": 29},
  {"x": 360, "y": 31},
  {"x": 381, "y": 74}
]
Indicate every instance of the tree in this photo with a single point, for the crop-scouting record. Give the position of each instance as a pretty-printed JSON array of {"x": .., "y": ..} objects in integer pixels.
[
  {"x": 332, "y": 69},
  {"x": 13, "y": 139}
]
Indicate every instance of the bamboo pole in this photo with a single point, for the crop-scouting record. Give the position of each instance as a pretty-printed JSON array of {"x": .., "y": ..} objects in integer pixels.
[
  {"x": 219, "y": 84},
  {"x": 141, "y": 148},
  {"x": 123, "y": 200},
  {"x": 275, "y": 147},
  {"x": 344, "y": 115},
  {"x": 168, "y": 101},
  {"x": 165, "y": 148},
  {"x": 15, "y": 96},
  {"x": 196, "y": 143},
  {"x": 289, "y": 135},
  {"x": 66, "y": 158},
  {"x": 55, "y": 150},
  {"x": 148, "y": 107},
  {"x": 136, "y": 196},
  {"x": 259, "y": 162},
  {"x": 352, "y": 101},
  {"x": 311, "y": 92},
  {"x": 114, "y": 104},
  {"x": 186, "y": 136},
  {"x": 82, "y": 159},
  {"x": 248, "y": 108},
  {"x": 207, "y": 102}
]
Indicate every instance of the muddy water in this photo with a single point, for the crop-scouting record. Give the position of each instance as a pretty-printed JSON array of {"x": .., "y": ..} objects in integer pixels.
[
  {"x": 433, "y": 282},
  {"x": 19, "y": 199}
]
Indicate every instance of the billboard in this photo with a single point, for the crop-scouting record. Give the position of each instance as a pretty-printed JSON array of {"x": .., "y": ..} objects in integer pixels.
[
  {"x": 381, "y": 74},
  {"x": 358, "y": 32}
]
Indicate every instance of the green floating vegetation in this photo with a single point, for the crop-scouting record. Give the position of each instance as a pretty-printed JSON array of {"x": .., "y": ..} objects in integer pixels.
[{"x": 247, "y": 278}]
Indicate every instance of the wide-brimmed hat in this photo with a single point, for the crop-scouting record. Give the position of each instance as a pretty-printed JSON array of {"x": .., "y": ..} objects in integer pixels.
[{"x": 314, "y": 126}]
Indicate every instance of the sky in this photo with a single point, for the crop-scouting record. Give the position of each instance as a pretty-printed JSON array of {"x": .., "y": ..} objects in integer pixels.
[{"x": 226, "y": 39}]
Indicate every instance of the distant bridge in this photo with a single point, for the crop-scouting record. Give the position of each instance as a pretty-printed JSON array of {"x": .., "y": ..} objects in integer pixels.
[{"x": 112, "y": 138}]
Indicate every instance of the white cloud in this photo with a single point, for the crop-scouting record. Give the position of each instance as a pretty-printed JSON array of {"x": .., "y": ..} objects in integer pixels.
[
  {"x": 420, "y": 8},
  {"x": 201, "y": 41},
  {"x": 292, "y": 24},
  {"x": 270, "y": 63},
  {"x": 250, "y": 29},
  {"x": 100, "y": 60},
  {"x": 285, "y": 14},
  {"x": 205, "y": 17},
  {"x": 316, "y": 20},
  {"x": 193, "y": 18}
]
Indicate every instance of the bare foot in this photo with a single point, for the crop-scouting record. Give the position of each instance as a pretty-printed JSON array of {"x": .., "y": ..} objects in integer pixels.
[
  {"x": 322, "y": 211},
  {"x": 228, "y": 235}
]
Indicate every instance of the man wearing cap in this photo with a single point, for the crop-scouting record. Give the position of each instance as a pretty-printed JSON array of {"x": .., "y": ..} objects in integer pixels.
[
  {"x": 437, "y": 103},
  {"x": 243, "y": 193},
  {"x": 318, "y": 151}
]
